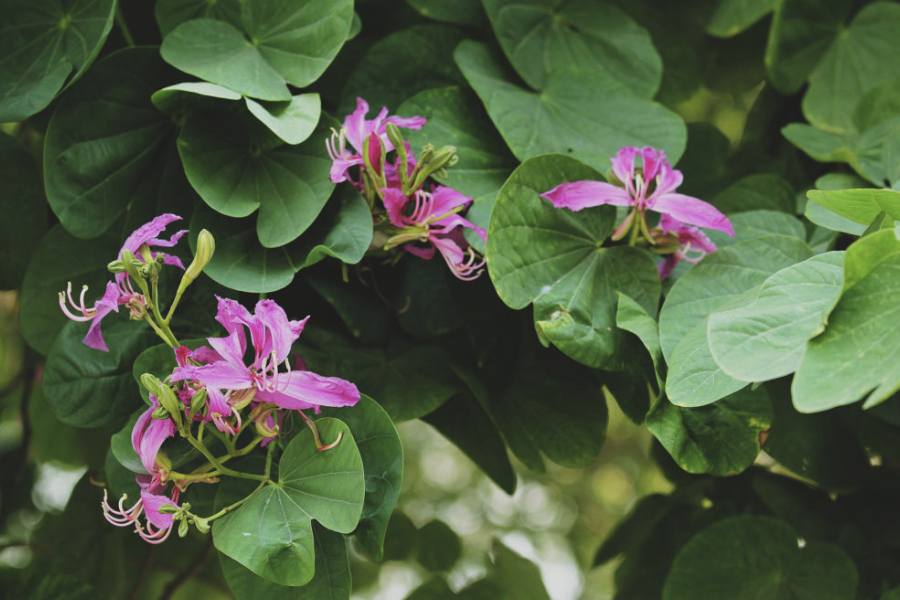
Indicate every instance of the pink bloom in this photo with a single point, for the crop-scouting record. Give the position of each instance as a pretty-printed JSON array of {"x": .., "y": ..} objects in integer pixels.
[
  {"x": 355, "y": 130},
  {"x": 694, "y": 244},
  {"x": 121, "y": 291},
  {"x": 271, "y": 337},
  {"x": 148, "y": 435},
  {"x": 433, "y": 218},
  {"x": 159, "y": 525},
  {"x": 651, "y": 187}
]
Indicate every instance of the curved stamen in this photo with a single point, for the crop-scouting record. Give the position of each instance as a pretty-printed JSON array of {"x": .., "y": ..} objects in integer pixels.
[{"x": 86, "y": 313}]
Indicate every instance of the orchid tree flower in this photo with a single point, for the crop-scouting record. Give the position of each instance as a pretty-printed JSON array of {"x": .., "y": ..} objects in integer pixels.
[
  {"x": 691, "y": 244},
  {"x": 158, "y": 524},
  {"x": 346, "y": 147},
  {"x": 121, "y": 291},
  {"x": 433, "y": 218},
  {"x": 267, "y": 377}
]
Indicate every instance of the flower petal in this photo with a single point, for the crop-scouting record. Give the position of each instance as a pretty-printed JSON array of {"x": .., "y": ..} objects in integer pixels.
[
  {"x": 395, "y": 202},
  {"x": 693, "y": 211},
  {"x": 108, "y": 303},
  {"x": 584, "y": 194},
  {"x": 147, "y": 232},
  {"x": 305, "y": 389}
]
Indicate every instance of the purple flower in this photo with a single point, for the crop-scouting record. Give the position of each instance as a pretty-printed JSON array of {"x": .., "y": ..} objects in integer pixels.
[
  {"x": 120, "y": 292},
  {"x": 433, "y": 218},
  {"x": 148, "y": 435},
  {"x": 354, "y": 132},
  {"x": 271, "y": 337},
  {"x": 159, "y": 525},
  {"x": 692, "y": 244},
  {"x": 649, "y": 187}
]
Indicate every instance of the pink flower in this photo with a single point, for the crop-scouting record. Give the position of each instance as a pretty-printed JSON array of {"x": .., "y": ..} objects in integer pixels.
[
  {"x": 271, "y": 337},
  {"x": 148, "y": 435},
  {"x": 159, "y": 525},
  {"x": 693, "y": 244},
  {"x": 355, "y": 130},
  {"x": 650, "y": 187},
  {"x": 433, "y": 218},
  {"x": 121, "y": 291}
]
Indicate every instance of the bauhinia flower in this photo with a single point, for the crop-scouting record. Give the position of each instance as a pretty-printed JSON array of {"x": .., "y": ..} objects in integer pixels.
[
  {"x": 650, "y": 187},
  {"x": 159, "y": 525},
  {"x": 267, "y": 377},
  {"x": 121, "y": 291},
  {"x": 148, "y": 435},
  {"x": 355, "y": 130},
  {"x": 433, "y": 218}
]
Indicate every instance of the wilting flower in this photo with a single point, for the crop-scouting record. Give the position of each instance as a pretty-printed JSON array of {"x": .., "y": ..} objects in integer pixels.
[
  {"x": 649, "y": 187},
  {"x": 354, "y": 132},
  {"x": 692, "y": 244},
  {"x": 121, "y": 292},
  {"x": 271, "y": 337},
  {"x": 433, "y": 218},
  {"x": 153, "y": 498}
]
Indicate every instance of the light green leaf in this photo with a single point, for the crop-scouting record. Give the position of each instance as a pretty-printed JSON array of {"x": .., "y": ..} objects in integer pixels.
[
  {"x": 822, "y": 146},
  {"x": 855, "y": 357},
  {"x": 292, "y": 121},
  {"x": 42, "y": 43},
  {"x": 554, "y": 258},
  {"x": 172, "y": 98},
  {"x": 758, "y": 223},
  {"x": 106, "y": 142},
  {"x": 237, "y": 165},
  {"x": 541, "y": 36},
  {"x": 331, "y": 580},
  {"x": 277, "y": 42},
  {"x": 858, "y": 206},
  {"x": 802, "y": 31},
  {"x": 765, "y": 339},
  {"x": 860, "y": 59},
  {"x": 878, "y": 153},
  {"x": 632, "y": 317},
  {"x": 723, "y": 561},
  {"x": 271, "y": 534},
  {"x": 734, "y": 16},
  {"x": 579, "y": 113},
  {"x": 24, "y": 211},
  {"x": 721, "y": 439}
]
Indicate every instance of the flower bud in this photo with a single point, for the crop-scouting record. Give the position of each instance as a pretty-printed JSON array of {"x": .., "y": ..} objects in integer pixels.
[
  {"x": 131, "y": 264},
  {"x": 198, "y": 401},
  {"x": 168, "y": 509},
  {"x": 206, "y": 247},
  {"x": 393, "y": 134},
  {"x": 160, "y": 413},
  {"x": 165, "y": 395},
  {"x": 116, "y": 266},
  {"x": 202, "y": 525},
  {"x": 183, "y": 528}
]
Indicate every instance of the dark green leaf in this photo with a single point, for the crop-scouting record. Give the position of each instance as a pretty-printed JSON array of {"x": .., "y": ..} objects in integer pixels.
[
  {"x": 461, "y": 12},
  {"x": 516, "y": 577},
  {"x": 24, "y": 210},
  {"x": 733, "y": 16},
  {"x": 724, "y": 561},
  {"x": 52, "y": 440},
  {"x": 757, "y": 192},
  {"x": 106, "y": 142},
  {"x": 171, "y": 13},
  {"x": 580, "y": 113},
  {"x": 438, "y": 546},
  {"x": 423, "y": 303},
  {"x": 42, "y": 43}
]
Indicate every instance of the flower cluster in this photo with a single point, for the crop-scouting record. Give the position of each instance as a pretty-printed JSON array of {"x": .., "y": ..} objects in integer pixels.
[
  {"x": 241, "y": 379},
  {"x": 649, "y": 187},
  {"x": 411, "y": 212}
]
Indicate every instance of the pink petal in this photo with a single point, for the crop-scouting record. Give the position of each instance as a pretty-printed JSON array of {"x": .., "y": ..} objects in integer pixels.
[
  {"x": 340, "y": 166},
  {"x": 584, "y": 194},
  {"x": 667, "y": 266},
  {"x": 423, "y": 253},
  {"x": 149, "y": 437},
  {"x": 108, "y": 303},
  {"x": 692, "y": 211},
  {"x": 395, "y": 202},
  {"x": 280, "y": 336},
  {"x": 152, "y": 503},
  {"x": 654, "y": 162},
  {"x": 221, "y": 375},
  {"x": 305, "y": 389},
  {"x": 147, "y": 232},
  {"x": 445, "y": 199},
  {"x": 623, "y": 164},
  {"x": 229, "y": 348},
  {"x": 355, "y": 124}
]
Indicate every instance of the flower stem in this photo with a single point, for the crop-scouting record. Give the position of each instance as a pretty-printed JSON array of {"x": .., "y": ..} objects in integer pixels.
[
  {"x": 221, "y": 468},
  {"x": 237, "y": 504}
]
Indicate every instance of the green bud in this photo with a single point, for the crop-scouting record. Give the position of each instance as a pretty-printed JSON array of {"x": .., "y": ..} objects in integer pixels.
[
  {"x": 131, "y": 264},
  {"x": 160, "y": 413},
  {"x": 202, "y": 525},
  {"x": 198, "y": 401},
  {"x": 116, "y": 266},
  {"x": 165, "y": 395},
  {"x": 206, "y": 247},
  {"x": 168, "y": 509},
  {"x": 393, "y": 134},
  {"x": 183, "y": 528}
]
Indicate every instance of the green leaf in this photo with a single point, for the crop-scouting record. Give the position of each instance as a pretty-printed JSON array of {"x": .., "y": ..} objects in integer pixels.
[
  {"x": 106, "y": 141},
  {"x": 756, "y": 192},
  {"x": 756, "y": 224},
  {"x": 330, "y": 582},
  {"x": 464, "y": 422},
  {"x": 516, "y": 577},
  {"x": 734, "y": 16},
  {"x": 122, "y": 449},
  {"x": 876, "y": 151},
  {"x": 723, "y": 561},
  {"x": 553, "y": 257},
  {"x": 765, "y": 339},
  {"x": 89, "y": 388},
  {"x": 723, "y": 277},
  {"x": 237, "y": 165},
  {"x": 422, "y": 300},
  {"x": 578, "y": 112},
  {"x": 859, "y": 206},
  {"x": 293, "y": 121},
  {"x": 52, "y": 440},
  {"x": 366, "y": 316},
  {"x": 878, "y": 105},
  {"x": 542, "y": 36},
  {"x": 461, "y": 12},
  {"x": 438, "y": 546},
  {"x": 398, "y": 67},
  {"x": 271, "y": 534},
  {"x": 277, "y": 42},
  {"x": 455, "y": 119},
  {"x": 822, "y": 146},
  {"x": 24, "y": 211},
  {"x": 632, "y": 317},
  {"x": 172, "y": 13},
  {"x": 382, "y": 458},
  {"x": 802, "y": 31},
  {"x": 409, "y": 381},
  {"x": 42, "y": 44},
  {"x": 721, "y": 439},
  {"x": 858, "y": 61},
  {"x": 172, "y": 98},
  {"x": 854, "y": 357},
  {"x": 59, "y": 259}
]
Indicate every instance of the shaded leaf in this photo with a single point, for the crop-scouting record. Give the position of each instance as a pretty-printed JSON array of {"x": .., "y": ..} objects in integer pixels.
[{"x": 24, "y": 210}]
